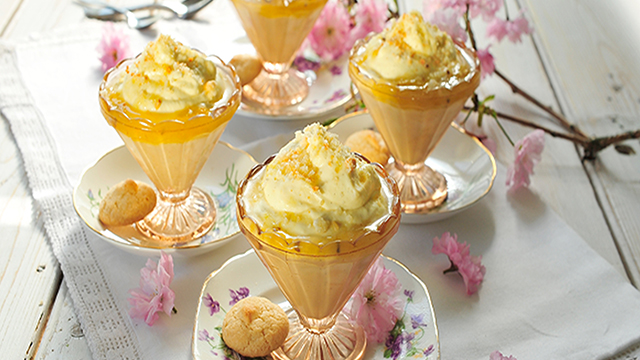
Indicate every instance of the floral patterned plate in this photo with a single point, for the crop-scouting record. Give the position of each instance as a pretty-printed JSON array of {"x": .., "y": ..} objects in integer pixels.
[
  {"x": 329, "y": 91},
  {"x": 468, "y": 166},
  {"x": 219, "y": 178},
  {"x": 415, "y": 335}
]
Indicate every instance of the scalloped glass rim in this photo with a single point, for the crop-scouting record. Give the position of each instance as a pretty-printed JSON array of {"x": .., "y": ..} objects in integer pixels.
[
  {"x": 218, "y": 107},
  {"x": 444, "y": 90}
]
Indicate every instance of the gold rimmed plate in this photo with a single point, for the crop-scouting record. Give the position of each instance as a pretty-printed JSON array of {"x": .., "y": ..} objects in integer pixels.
[
  {"x": 468, "y": 166},
  {"x": 244, "y": 275},
  {"x": 219, "y": 178}
]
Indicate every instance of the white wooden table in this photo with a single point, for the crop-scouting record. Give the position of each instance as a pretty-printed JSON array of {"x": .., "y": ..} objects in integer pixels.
[{"x": 582, "y": 60}]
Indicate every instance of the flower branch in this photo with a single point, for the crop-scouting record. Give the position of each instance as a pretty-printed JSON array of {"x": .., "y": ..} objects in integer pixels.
[
  {"x": 561, "y": 119},
  {"x": 513, "y": 30},
  {"x": 467, "y": 23},
  {"x": 489, "y": 111},
  {"x": 591, "y": 146}
]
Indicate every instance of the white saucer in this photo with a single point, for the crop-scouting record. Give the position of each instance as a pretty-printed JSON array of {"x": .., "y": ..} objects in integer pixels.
[
  {"x": 219, "y": 178},
  {"x": 329, "y": 90},
  {"x": 468, "y": 166},
  {"x": 419, "y": 338}
]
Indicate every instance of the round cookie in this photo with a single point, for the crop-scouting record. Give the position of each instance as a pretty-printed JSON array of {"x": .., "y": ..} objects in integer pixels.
[
  {"x": 369, "y": 144},
  {"x": 126, "y": 203},
  {"x": 247, "y": 67},
  {"x": 255, "y": 326}
]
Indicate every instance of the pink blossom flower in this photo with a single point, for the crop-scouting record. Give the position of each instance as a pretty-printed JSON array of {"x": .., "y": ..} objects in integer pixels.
[
  {"x": 450, "y": 246},
  {"x": 467, "y": 265},
  {"x": 329, "y": 37},
  {"x": 113, "y": 47},
  {"x": 496, "y": 355},
  {"x": 377, "y": 303},
  {"x": 512, "y": 29},
  {"x": 371, "y": 16},
  {"x": 154, "y": 294},
  {"x": 528, "y": 152},
  {"x": 472, "y": 272},
  {"x": 449, "y": 21},
  {"x": 460, "y": 5},
  {"x": 497, "y": 28},
  {"x": 517, "y": 27},
  {"x": 431, "y": 6},
  {"x": 486, "y": 8},
  {"x": 487, "y": 65}
]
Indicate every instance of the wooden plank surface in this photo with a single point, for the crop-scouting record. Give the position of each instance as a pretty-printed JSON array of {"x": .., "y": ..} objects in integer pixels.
[
  {"x": 560, "y": 179},
  {"x": 63, "y": 337},
  {"x": 29, "y": 273},
  {"x": 597, "y": 72},
  {"x": 8, "y": 9}
]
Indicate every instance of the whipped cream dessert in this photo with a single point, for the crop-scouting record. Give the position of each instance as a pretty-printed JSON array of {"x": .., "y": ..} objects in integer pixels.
[
  {"x": 414, "y": 80},
  {"x": 413, "y": 52},
  {"x": 318, "y": 216},
  {"x": 316, "y": 187},
  {"x": 170, "y": 105},
  {"x": 168, "y": 77}
]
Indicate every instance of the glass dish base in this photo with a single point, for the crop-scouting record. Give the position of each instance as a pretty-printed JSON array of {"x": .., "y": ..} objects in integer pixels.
[
  {"x": 272, "y": 92},
  {"x": 343, "y": 341},
  {"x": 421, "y": 188},
  {"x": 180, "y": 221}
]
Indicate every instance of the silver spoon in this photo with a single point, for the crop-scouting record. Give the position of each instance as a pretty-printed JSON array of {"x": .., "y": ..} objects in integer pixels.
[
  {"x": 133, "y": 21},
  {"x": 101, "y": 10}
]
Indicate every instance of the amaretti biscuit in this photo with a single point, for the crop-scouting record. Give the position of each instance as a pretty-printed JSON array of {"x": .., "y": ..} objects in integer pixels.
[
  {"x": 126, "y": 203},
  {"x": 247, "y": 67},
  {"x": 254, "y": 327},
  {"x": 369, "y": 144}
]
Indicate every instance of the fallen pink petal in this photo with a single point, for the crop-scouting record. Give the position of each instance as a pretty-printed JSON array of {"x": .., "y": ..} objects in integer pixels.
[
  {"x": 154, "y": 294},
  {"x": 448, "y": 245},
  {"x": 496, "y": 355},
  {"x": 472, "y": 272},
  {"x": 467, "y": 265}
]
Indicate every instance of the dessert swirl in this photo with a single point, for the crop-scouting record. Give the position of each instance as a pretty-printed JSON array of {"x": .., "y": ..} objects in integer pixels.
[
  {"x": 315, "y": 187},
  {"x": 413, "y": 52}
]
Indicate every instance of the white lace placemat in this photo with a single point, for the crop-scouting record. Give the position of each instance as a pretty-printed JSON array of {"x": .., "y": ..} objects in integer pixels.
[{"x": 106, "y": 325}]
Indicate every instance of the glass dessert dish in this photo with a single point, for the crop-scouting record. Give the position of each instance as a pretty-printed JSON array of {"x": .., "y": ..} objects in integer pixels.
[
  {"x": 318, "y": 273},
  {"x": 412, "y": 118},
  {"x": 277, "y": 28},
  {"x": 172, "y": 148}
]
